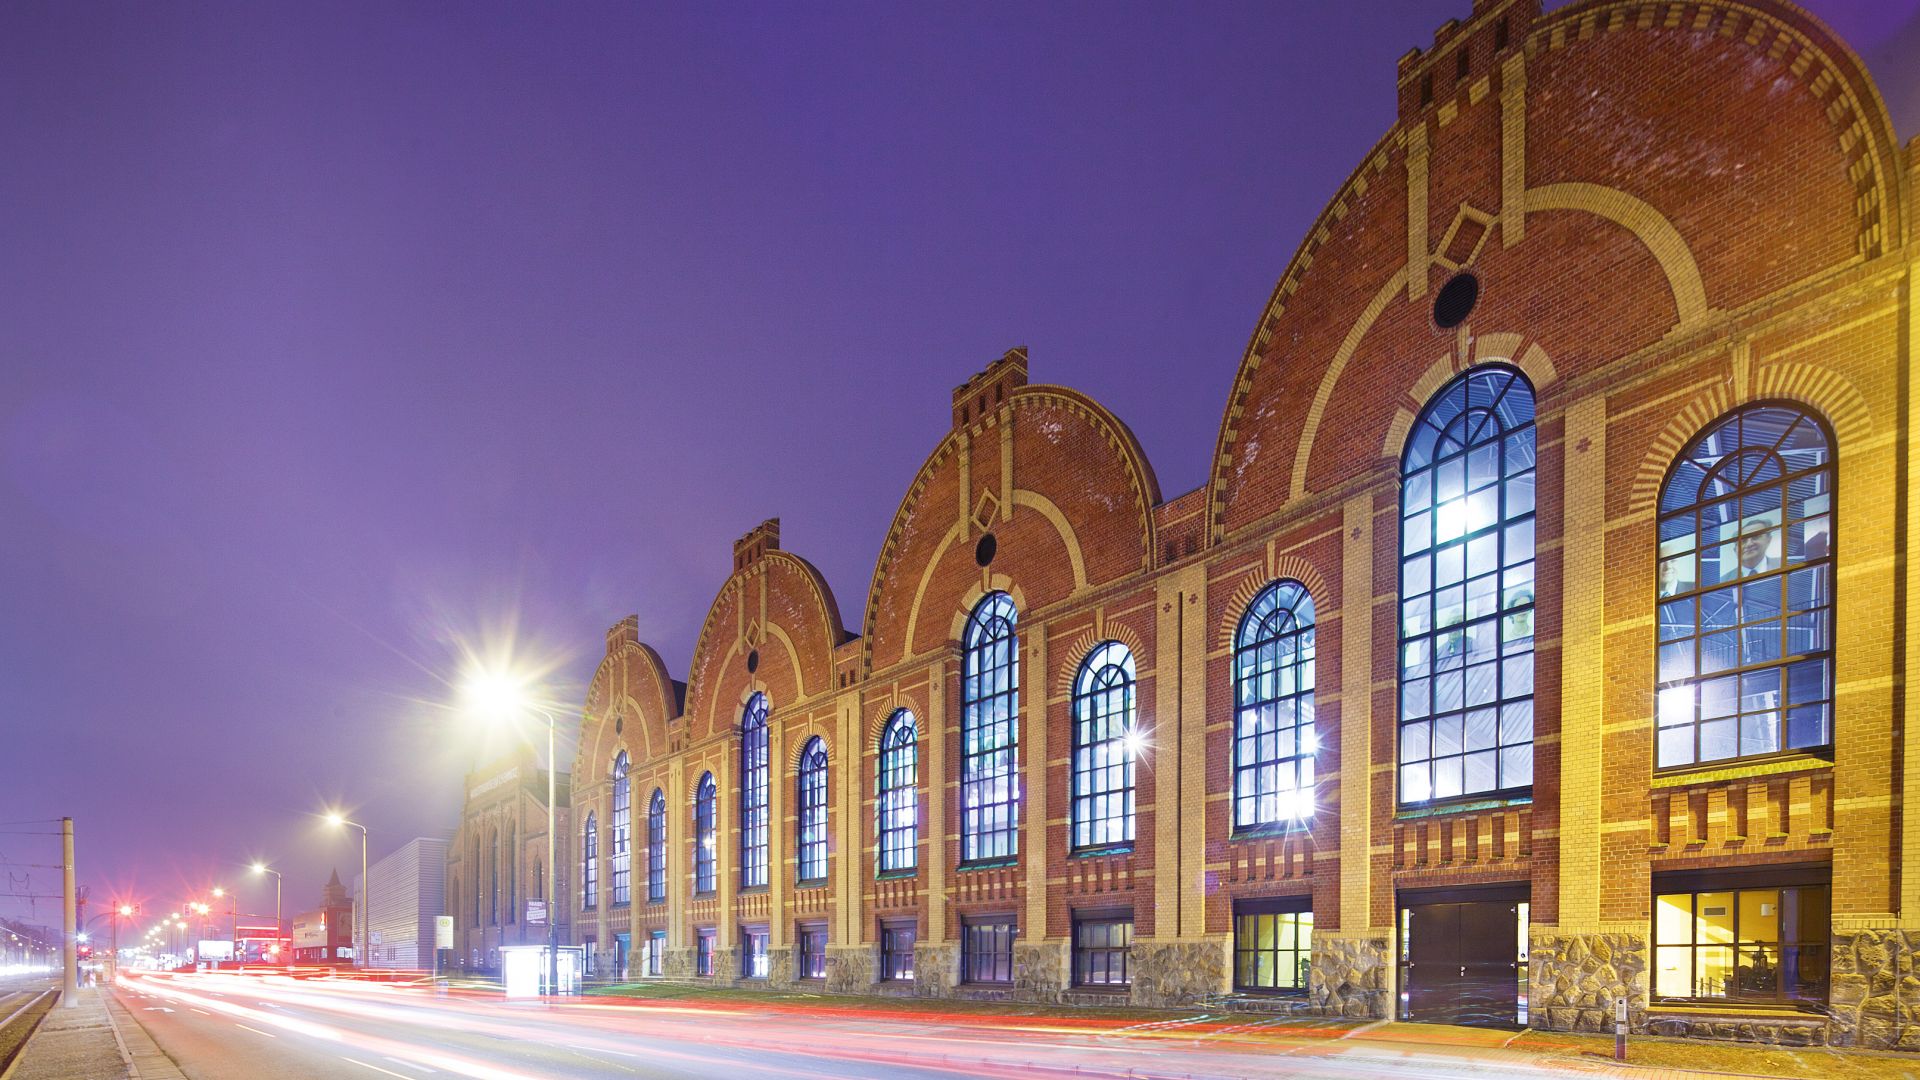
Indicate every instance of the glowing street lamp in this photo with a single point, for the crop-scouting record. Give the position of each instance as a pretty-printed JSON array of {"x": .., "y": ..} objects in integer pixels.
[
  {"x": 502, "y": 697},
  {"x": 338, "y": 820},
  {"x": 262, "y": 868}
]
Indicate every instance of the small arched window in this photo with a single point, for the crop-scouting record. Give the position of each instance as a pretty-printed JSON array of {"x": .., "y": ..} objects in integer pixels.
[
  {"x": 1745, "y": 590},
  {"x": 1105, "y": 741},
  {"x": 590, "y": 864},
  {"x": 990, "y": 732},
  {"x": 898, "y": 804},
  {"x": 753, "y": 793},
  {"x": 703, "y": 800},
  {"x": 1467, "y": 591},
  {"x": 812, "y": 806},
  {"x": 1273, "y": 738},
  {"x": 657, "y": 847},
  {"x": 621, "y": 857}
]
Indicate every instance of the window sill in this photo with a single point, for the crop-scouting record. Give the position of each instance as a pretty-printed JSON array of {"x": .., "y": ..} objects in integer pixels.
[
  {"x": 1462, "y": 806},
  {"x": 1097, "y": 852},
  {"x": 988, "y": 864},
  {"x": 1755, "y": 1009},
  {"x": 1296, "y": 993},
  {"x": 1741, "y": 769},
  {"x": 896, "y": 875},
  {"x": 750, "y": 890},
  {"x": 816, "y": 883},
  {"x": 1267, "y": 832},
  {"x": 708, "y": 895}
]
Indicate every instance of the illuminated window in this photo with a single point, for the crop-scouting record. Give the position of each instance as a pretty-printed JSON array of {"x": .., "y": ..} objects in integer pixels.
[
  {"x": 986, "y": 950},
  {"x": 703, "y": 836},
  {"x": 620, "y": 862},
  {"x": 656, "y": 951},
  {"x": 1467, "y": 591},
  {"x": 1746, "y": 591},
  {"x": 990, "y": 733},
  {"x": 896, "y": 950},
  {"x": 1102, "y": 948},
  {"x": 1105, "y": 740},
  {"x": 753, "y": 952},
  {"x": 812, "y": 808},
  {"x": 1273, "y": 741},
  {"x": 509, "y": 851},
  {"x": 898, "y": 804},
  {"x": 753, "y": 793},
  {"x": 703, "y": 951},
  {"x": 1743, "y": 942},
  {"x": 813, "y": 951},
  {"x": 657, "y": 847},
  {"x": 1272, "y": 942},
  {"x": 590, "y": 865}
]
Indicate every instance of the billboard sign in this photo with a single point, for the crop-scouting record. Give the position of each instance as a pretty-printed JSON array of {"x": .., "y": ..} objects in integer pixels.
[{"x": 443, "y": 931}]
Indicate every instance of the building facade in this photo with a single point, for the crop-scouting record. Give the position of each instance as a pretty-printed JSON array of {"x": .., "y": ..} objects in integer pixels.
[
  {"x": 1538, "y": 640},
  {"x": 497, "y": 878},
  {"x": 325, "y": 934},
  {"x": 406, "y": 891}
]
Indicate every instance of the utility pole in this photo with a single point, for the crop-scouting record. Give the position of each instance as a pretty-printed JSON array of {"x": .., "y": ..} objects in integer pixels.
[{"x": 70, "y": 986}]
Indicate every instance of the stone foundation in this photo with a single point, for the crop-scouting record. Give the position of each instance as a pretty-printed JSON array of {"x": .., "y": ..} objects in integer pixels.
[
  {"x": 936, "y": 967},
  {"x": 1170, "y": 973},
  {"x": 1573, "y": 980},
  {"x": 852, "y": 969},
  {"x": 781, "y": 966},
  {"x": 726, "y": 966},
  {"x": 1041, "y": 970},
  {"x": 677, "y": 963},
  {"x": 1781, "y": 1031},
  {"x": 1874, "y": 999},
  {"x": 1347, "y": 976}
]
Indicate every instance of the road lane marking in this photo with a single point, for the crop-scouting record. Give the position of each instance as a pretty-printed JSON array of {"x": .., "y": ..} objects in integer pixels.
[
  {"x": 257, "y": 1031},
  {"x": 601, "y": 1050},
  {"x": 202, "y": 1012},
  {"x": 411, "y": 1065},
  {"x": 375, "y": 1068}
]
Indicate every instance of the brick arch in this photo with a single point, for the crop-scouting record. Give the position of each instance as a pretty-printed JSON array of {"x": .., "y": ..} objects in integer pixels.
[
  {"x": 1501, "y": 348},
  {"x": 989, "y": 584},
  {"x": 1082, "y": 646},
  {"x": 1252, "y": 584},
  {"x": 881, "y": 715},
  {"x": 779, "y": 605},
  {"x": 794, "y": 753}
]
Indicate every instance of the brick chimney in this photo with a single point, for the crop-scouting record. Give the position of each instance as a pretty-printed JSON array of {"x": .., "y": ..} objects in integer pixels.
[
  {"x": 759, "y": 540},
  {"x": 988, "y": 390},
  {"x": 1463, "y": 52}
]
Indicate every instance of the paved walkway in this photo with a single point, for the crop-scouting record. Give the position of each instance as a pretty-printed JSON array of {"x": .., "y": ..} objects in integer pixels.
[{"x": 96, "y": 1039}]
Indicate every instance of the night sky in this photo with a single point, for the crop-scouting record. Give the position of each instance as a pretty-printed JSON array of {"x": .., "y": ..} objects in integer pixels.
[{"x": 336, "y": 340}]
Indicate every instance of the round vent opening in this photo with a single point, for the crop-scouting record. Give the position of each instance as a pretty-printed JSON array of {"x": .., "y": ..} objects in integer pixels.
[
  {"x": 983, "y": 551},
  {"x": 1455, "y": 300}
]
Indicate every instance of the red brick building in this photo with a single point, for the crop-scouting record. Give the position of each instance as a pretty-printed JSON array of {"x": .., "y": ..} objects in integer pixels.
[{"x": 1539, "y": 638}]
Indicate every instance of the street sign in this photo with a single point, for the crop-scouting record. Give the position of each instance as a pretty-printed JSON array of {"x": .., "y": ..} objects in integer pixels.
[
  {"x": 443, "y": 931},
  {"x": 537, "y": 912}
]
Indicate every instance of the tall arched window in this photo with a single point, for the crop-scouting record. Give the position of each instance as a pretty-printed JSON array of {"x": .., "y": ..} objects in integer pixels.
[
  {"x": 1746, "y": 590},
  {"x": 657, "y": 847},
  {"x": 493, "y": 877},
  {"x": 703, "y": 799},
  {"x": 1467, "y": 591},
  {"x": 621, "y": 861},
  {"x": 511, "y": 851},
  {"x": 590, "y": 864},
  {"x": 899, "y": 795},
  {"x": 1105, "y": 741},
  {"x": 753, "y": 793},
  {"x": 990, "y": 732},
  {"x": 1273, "y": 740},
  {"x": 812, "y": 806}
]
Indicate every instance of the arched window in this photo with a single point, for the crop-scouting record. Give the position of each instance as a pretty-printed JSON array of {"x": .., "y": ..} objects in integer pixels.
[
  {"x": 590, "y": 865},
  {"x": 510, "y": 875},
  {"x": 621, "y": 862},
  {"x": 812, "y": 807},
  {"x": 703, "y": 835},
  {"x": 990, "y": 733},
  {"x": 753, "y": 793},
  {"x": 899, "y": 796},
  {"x": 657, "y": 847},
  {"x": 1273, "y": 740},
  {"x": 1467, "y": 591},
  {"x": 1746, "y": 590},
  {"x": 1105, "y": 741},
  {"x": 493, "y": 877}
]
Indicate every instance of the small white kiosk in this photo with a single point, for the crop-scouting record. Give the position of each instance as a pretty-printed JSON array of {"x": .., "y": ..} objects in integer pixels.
[{"x": 523, "y": 970}]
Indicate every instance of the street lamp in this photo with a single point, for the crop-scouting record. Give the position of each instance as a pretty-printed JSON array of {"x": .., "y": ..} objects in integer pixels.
[
  {"x": 336, "y": 820},
  {"x": 501, "y": 697},
  {"x": 263, "y": 868}
]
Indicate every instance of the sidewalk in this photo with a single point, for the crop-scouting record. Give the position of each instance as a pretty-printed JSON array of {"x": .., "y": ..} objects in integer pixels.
[{"x": 97, "y": 1039}]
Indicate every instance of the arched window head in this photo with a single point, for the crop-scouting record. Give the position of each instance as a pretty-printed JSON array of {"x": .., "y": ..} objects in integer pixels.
[
  {"x": 898, "y": 804},
  {"x": 703, "y": 800},
  {"x": 1467, "y": 591},
  {"x": 1273, "y": 734},
  {"x": 812, "y": 810},
  {"x": 620, "y": 857},
  {"x": 1106, "y": 740},
  {"x": 1745, "y": 591},
  {"x": 990, "y": 732},
  {"x": 753, "y": 793},
  {"x": 590, "y": 864},
  {"x": 657, "y": 847}
]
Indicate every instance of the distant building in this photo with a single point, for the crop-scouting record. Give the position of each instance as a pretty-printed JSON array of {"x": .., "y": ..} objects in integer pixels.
[
  {"x": 324, "y": 935},
  {"x": 496, "y": 868},
  {"x": 405, "y": 892}
]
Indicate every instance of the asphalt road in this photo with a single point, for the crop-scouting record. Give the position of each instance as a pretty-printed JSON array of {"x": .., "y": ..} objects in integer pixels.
[{"x": 233, "y": 1027}]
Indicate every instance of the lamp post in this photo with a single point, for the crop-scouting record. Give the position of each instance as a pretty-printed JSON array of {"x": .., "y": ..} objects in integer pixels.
[
  {"x": 263, "y": 868},
  {"x": 503, "y": 696},
  {"x": 359, "y": 953}
]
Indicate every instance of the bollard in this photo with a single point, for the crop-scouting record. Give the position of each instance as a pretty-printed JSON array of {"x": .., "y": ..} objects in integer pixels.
[{"x": 1619, "y": 1029}]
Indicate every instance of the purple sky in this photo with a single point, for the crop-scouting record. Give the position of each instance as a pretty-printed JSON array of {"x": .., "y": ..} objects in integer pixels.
[{"x": 330, "y": 338}]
